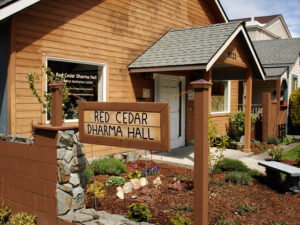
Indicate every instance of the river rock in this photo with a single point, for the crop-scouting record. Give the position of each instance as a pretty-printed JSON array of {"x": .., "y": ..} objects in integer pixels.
[
  {"x": 143, "y": 181},
  {"x": 63, "y": 172},
  {"x": 157, "y": 181},
  {"x": 64, "y": 202},
  {"x": 135, "y": 184},
  {"x": 78, "y": 164},
  {"x": 127, "y": 188},
  {"x": 120, "y": 194}
]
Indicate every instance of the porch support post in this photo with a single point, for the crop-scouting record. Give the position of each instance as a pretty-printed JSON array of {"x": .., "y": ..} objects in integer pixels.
[
  {"x": 278, "y": 94},
  {"x": 208, "y": 77},
  {"x": 248, "y": 110},
  {"x": 201, "y": 150},
  {"x": 56, "y": 104}
]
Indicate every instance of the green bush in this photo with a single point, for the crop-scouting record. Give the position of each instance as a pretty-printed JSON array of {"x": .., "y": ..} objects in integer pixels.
[
  {"x": 228, "y": 165},
  {"x": 180, "y": 220},
  {"x": 273, "y": 140},
  {"x": 276, "y": 154},
  {"x": 109, "y": 166},
  {"x": 115, "y": 181},
  {"x": 139, "y": 212},
  {"x": 238, "y": 177},
  {"x": 294, "y": 112},
  {"x": 237, "y": 125},
  {"x": 4, "y": 214},
  {"x": 96, "y": 189},
  {"x": 22, "y": 219}
]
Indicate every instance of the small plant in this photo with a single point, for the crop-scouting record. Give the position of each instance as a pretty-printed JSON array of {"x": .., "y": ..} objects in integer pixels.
[
  {"x": 179, "y": 220},
  {"x": 241, "y": 209},
  {"x": 180, "y": 176},
  {"x": 287, "y": 141},
  {"x": 275, "y": 223},
  {"x": 153, "y": 171},
  {"x": 115, "y": 181},
  {"x": 5, "y": 213},
  {"x": 223, "y": 221},
  {"x": 216, "y": 182},
  {"x": 238, "y": 177},
  {"x": 22, "y": 219},
  {"x": 212, "y": 132},
  {"x": 273, "y": 140},
  {"x": 135, "y": 175},
  {"x": 276, "y": 154},
  {"x": 183, "y": 209},
  {"x": 221, "y": 143},
  {"x": 139, "y": 212},
  {"x": 96, "y": 189}
]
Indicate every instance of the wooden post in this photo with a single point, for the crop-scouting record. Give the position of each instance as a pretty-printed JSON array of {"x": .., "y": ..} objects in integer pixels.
[
  {"x": 56, "y": 104},
  {"x": 208, "y": 77},
  {"x": 201, "y": 150},
  {"x": 248, "y": 111},
  {"x": 278, "y": 94},
  {"x": 266, "y": 116}
]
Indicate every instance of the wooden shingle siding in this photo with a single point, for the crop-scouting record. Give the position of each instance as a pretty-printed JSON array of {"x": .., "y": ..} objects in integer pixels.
[{"x": 113, "y": 32}]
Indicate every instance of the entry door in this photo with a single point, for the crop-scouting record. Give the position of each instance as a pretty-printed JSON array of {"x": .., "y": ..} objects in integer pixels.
[
  {"x": 3, "y": 78},
  {"x": 169, "y": 89}
]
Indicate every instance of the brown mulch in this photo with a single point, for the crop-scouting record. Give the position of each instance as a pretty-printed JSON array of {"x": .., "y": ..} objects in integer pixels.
[{"x": 165, "y": 202}]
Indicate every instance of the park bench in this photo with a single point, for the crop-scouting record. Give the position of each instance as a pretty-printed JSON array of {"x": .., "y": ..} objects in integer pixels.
[{"x": 273, "y": 170}]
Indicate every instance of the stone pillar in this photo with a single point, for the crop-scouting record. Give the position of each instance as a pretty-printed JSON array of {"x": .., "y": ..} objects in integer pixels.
[
  {"x": 56, "y": 104},
  {"x": 201, "y": 151},
  {"x": 248, "y": 111},
  {"x": 71, "y": 173}
]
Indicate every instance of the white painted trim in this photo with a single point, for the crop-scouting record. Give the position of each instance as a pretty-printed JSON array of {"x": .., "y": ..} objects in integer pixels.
[
  {"x": 81, "y": 62},
  {"x": 229, "y": 98},
  {"x": 228, "y": 42},
  {"x": 221, "y": 10},
  {"x": 15, "y": 7},
  {"x": 167, "y": 68}
]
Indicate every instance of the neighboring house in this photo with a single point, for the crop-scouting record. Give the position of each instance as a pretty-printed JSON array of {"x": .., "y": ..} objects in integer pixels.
[
  {"x": 266, "y": 27},
  {"x": 125, "y": 51}
]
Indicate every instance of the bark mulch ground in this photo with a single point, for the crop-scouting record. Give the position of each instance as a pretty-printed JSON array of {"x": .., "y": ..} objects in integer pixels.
[{"x": 169, "y": 199}]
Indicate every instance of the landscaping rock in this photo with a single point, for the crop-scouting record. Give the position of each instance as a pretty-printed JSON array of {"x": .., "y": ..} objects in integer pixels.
[
  {"x": 127, "y": 188},
  {"x": 65, "y": 187},
  {"x": 78, "y": 164},
  {"x": 143, "y": 181},
  {"x": 68, "y": 156},
  {"x": 64, "y": 202},
  {"x": 119, "y": 189},
  {"x": 78, "y": 202},
  {"x": 157, "y": 181},
  {"x": 120, "y": 194},
  {"x": 63, "y": 172},
  {"x": 74, "y": 179},
  {"x": 135, "y": 184},
  {"x": 78, "y": 150},
  {"x": 65, "y": 139}
]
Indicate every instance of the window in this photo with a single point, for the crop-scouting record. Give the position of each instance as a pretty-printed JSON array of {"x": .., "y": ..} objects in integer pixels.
[
  {"x": 294, "y": 82},
  {"x": 220, "y": 97},
  {"x": 85, "y": 81}
]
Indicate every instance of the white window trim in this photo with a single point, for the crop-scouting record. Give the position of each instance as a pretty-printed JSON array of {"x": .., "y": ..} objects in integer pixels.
[
  {"x": 82, "y": 62},
  {"x": 229, "y": 98}
]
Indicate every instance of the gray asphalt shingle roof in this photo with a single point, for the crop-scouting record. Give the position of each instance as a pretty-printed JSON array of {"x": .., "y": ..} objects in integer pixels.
[
  {"x": 279, "y": 51},
  {"x": 5, "y": 2},
  {"x": 191, "y": 46},
  {"x": 274, "y": 72}
]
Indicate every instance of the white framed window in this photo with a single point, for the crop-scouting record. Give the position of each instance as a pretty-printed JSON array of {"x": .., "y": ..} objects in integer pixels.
[
  {"x": 220, "y": 97},
  {"x": 85, "y": 80}
]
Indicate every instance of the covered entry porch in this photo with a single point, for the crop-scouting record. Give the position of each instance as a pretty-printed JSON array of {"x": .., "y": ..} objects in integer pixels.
[{"x": 222, "y": 54}]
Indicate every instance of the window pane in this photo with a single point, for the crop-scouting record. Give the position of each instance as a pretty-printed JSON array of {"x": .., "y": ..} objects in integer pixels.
[
  {"x": 84, "y": 82},
  {"x": 219, "y": 98}
]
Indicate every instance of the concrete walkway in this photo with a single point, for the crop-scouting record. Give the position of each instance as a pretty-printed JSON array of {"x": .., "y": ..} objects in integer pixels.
[{"x": 185, "y": 156}]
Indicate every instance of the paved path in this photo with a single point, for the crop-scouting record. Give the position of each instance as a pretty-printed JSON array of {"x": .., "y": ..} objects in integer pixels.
[{"x": 185, "y": 156}]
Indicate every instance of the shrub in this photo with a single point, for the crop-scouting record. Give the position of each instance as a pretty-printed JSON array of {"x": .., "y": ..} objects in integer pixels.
[
  {"x": 294, "y": 112},
  {"x": 4, "y": 214},
  {"x": 237, "y": 125},
  {"x": 227, "y": 164},
  {"x": 139, "y": 212},
  {"x": 276, "y": 154},
  {"x": 89, "y": 174},
  {"x": 22, "y": 219},
  {"x": 179, "y": 220},
  {"x": 241, "y": 209},
  {"x": 109, "y": 166},
  {"x": 115, "y": 181},
  {"x": 238, "y": 177},
  {"x": 96, "y": 189},
  {"x": 135, "y": 175},
  {"x": 273, "y": 140}
]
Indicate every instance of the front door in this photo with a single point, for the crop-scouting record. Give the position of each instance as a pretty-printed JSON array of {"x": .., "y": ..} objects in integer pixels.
[{"x": 169, "y": 89}]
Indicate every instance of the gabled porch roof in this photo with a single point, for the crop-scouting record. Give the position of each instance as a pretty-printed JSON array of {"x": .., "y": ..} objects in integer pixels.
[{"x": 196, "y": 48}]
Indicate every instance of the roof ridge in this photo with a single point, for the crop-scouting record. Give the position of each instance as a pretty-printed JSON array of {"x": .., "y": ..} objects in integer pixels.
[
  {"x": 205, "y": 26},
  {"x": 274, "y": 40}
]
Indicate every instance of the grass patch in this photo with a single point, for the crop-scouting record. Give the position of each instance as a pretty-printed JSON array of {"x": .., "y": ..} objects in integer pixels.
[
  {"x": 216, "y": 182},
  {"x": 241, "y": 209},
  {"x": 238, "y": 177},
  {"x": 183, "y": 208},
  {"x": 292, "y": 154}
]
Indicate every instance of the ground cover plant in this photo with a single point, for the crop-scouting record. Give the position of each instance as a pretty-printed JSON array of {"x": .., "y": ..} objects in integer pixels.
[
  {"x": 292, "y": 154},
  {"x": 229, "y": 203},
  {"x": 6, "y": 218}
]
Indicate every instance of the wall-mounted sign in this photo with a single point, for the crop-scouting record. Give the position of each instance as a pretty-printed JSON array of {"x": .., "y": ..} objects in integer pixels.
[{"x": 131, "y": 125}]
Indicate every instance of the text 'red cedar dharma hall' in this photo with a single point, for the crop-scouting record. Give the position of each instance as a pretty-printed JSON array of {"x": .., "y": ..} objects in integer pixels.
[{"x": 124, "y": 51}]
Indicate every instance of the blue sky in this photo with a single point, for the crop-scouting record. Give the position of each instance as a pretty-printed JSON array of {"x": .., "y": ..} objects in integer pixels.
[{"x": 290, "y": 9}]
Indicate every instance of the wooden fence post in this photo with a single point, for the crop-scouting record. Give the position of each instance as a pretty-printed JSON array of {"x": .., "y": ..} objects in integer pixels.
[
  {"x": 201, "y": 151},
  {"x": 266, "y": 115},
  {"x": 56, "y": 104}
]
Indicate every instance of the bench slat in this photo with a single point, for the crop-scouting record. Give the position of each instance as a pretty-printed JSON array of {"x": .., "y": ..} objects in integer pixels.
[{"x": 291, "y": 170}]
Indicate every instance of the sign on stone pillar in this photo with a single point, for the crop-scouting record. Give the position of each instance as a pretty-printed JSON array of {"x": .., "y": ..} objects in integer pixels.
[{"x": 201, "y": 151}]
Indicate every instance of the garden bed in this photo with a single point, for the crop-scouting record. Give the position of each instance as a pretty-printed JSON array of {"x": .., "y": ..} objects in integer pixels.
[{"x": 165, "y": 201}]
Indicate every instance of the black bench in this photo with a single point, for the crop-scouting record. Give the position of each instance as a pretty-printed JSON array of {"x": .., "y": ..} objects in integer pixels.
[{"x": 273, "y": 170}]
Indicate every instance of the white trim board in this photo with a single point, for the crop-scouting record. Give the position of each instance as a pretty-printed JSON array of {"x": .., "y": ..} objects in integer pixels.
[{"x": 15, "y": 7}]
